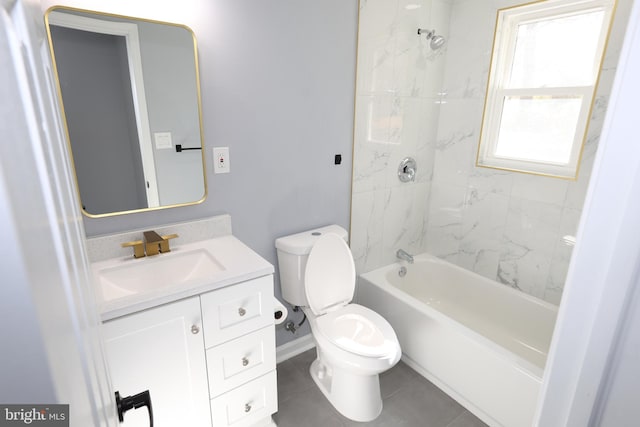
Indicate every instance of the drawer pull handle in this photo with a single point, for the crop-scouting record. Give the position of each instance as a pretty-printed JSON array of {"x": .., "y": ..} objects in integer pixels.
[
  {"x": 247, "y": 407},
  {"x": 242, "y": 311},
  {"x": 194, "y": 329},
  {"x": 245, "y": 361}
]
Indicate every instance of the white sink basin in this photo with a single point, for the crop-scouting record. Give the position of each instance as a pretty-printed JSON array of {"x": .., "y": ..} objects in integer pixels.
[{"x": 138, "y": 276}]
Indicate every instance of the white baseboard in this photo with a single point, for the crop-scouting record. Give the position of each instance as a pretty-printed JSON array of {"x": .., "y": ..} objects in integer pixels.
[{"x": 294, "y": 348}]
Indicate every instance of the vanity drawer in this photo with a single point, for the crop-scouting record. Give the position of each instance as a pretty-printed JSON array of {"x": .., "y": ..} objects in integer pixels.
[
  {"x": 236, "y": 362},
  {"x": 233, "y": 311},
  {"x": 247, "y": 404}
]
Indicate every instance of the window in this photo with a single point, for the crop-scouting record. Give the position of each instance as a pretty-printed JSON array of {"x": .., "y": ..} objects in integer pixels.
[{"x": 544, "y": 68}]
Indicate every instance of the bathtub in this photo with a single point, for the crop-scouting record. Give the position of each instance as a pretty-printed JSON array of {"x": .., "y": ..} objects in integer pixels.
[{"x": 482, "y": 343}]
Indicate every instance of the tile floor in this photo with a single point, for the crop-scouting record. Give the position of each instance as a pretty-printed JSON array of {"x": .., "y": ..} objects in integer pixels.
[{"x": 409, "y": 400}]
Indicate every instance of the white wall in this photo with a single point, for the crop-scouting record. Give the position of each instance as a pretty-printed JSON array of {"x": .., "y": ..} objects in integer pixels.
[
  {"x": 592, "y": 368},
  {"x": 619, "y": 392},
  {"x": 503, "y": 225}
]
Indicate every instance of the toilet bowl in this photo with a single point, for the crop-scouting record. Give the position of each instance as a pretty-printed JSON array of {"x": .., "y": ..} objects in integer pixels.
[{"x": 354, "y": 344}]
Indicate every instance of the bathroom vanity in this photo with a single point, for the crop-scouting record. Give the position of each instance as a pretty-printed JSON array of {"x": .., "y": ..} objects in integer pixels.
[{"x": 195, "y": 327}]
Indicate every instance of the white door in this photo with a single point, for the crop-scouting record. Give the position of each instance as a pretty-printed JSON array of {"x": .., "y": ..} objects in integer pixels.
[
  {"x": 49, "y": 327},
  {"x": 161, "y": 350}
]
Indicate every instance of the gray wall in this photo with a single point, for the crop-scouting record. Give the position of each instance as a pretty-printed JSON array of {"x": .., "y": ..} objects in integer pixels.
[{"x": 278, "y": 89}]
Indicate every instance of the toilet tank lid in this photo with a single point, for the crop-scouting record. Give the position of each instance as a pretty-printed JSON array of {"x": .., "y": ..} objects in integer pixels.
[{"x": 301, "y": 243}]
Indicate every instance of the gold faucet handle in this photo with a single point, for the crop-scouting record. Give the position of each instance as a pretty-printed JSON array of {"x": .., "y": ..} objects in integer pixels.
[
  {"x": 138, "y": 247},
  {"x": 164, "y": 244}
]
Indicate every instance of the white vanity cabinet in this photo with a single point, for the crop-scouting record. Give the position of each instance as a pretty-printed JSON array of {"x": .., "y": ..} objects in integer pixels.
[
  {"x": 161, "y": 350},
  {"x": 207, "y": 360},
  {"x": 241, "y": 357}
]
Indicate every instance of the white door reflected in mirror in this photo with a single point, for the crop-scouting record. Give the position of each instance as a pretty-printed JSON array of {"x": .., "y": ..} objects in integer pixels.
[{"x": 129, "y": 90}]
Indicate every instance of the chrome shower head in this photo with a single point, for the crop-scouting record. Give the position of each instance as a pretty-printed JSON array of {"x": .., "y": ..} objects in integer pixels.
[{"x": 436, "y": 42}]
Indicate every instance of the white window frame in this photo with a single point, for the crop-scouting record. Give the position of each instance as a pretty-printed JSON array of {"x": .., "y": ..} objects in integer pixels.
[{"x": 502, "y": 59}]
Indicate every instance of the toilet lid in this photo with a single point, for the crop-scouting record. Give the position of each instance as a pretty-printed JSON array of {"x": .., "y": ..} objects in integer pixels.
[
  {"x": 359, "y": 330},
  {"x": 330, "y": 275}
]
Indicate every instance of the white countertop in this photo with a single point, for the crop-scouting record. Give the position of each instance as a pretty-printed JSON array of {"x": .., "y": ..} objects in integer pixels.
[{"x": 239, "y": 263}]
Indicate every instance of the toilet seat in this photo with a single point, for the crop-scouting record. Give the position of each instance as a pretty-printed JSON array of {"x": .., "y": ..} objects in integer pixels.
[
  {"x": 330, "y": 275},
  {"x": 330, "y": 278},
  {"x": 358, "y": 330}
]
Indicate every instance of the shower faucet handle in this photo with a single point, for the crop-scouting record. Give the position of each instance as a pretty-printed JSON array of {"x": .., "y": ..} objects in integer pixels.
[{"x": 407, "y": 170}]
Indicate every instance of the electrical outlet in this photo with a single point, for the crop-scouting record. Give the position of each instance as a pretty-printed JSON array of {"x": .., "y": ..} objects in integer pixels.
[{"x": 221, "y": 162}]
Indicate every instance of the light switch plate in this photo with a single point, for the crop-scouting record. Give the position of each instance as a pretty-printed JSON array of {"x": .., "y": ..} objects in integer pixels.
[
  {"x": 221, "y": 162},
  {"x": 163, "y": 140}
]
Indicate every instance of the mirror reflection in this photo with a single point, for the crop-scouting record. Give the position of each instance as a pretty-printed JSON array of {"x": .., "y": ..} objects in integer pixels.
[{"x": 130, "y": 95}]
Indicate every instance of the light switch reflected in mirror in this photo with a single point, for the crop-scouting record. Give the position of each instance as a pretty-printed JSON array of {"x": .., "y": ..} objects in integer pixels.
[{"x": 130, "y": 95}]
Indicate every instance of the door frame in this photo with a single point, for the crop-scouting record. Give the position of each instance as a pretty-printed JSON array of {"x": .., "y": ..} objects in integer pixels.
[{"x": 52, "y": 345}]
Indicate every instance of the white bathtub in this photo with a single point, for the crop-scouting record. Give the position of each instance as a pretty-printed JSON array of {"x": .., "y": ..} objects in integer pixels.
[{"x": 482, "y": 343}]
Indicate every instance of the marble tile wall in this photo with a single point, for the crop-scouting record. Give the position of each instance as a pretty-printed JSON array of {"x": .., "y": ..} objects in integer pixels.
[
  {"x": 503, "y": 225},
  {"x": 397, "y": 106},
  {"x": 414, "y": 101}
]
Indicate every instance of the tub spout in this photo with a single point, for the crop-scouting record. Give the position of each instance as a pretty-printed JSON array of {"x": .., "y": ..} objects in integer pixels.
[{"x": 402, "y": 254}]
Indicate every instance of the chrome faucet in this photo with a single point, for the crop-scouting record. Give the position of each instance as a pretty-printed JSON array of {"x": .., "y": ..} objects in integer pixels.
[{"x": 402, "y": 254}]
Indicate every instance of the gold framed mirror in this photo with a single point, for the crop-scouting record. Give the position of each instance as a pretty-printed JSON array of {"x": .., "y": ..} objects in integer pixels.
[{"x": 129, "y": 92}]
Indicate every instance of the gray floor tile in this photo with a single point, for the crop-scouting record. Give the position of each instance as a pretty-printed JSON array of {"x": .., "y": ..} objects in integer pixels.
[
  {"x": 409, "y": 400},
  {"x": 423, "y": 404},
  {"x": 292, "y": 380},
  {"x": 303, "y": 360},
  {"x": 308, "y": 409},
  {"x": 467, "y": 419},
  {"x": 395, "y": 379}
]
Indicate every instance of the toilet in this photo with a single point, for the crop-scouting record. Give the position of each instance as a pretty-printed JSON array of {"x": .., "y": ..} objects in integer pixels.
[{"x": 354, "y": 344}]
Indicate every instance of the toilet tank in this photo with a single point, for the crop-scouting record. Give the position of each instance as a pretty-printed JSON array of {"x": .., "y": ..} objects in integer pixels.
[{"x": 293, "y": 251}]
